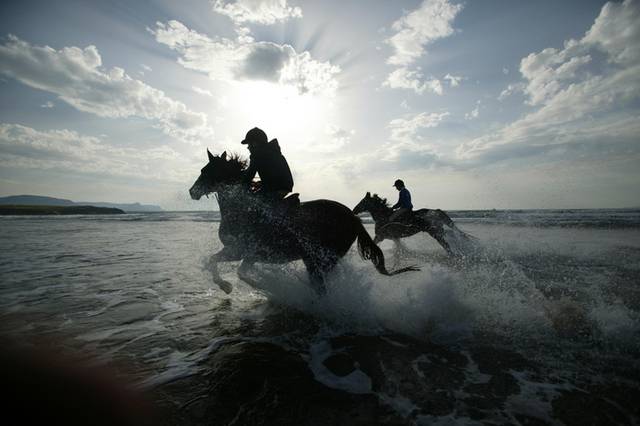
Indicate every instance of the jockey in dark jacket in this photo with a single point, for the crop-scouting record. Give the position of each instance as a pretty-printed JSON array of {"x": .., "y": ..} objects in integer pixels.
[{"x": 266, "y": 159}]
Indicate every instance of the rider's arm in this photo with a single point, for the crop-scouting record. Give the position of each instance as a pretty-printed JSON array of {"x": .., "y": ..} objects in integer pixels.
[
  {"x": 396, "y": 205},
  {"x": 251, "y": 171}
]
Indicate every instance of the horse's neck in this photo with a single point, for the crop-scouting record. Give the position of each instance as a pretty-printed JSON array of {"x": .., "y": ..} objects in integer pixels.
[
  {"x": 231, "y": 199},
  {"x": 380, "y": 213}
]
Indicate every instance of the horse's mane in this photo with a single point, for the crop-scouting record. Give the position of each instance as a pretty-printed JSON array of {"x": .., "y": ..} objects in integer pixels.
[
  {"x": 382, "y": 201},
  {"x": 236, "y": 160}
]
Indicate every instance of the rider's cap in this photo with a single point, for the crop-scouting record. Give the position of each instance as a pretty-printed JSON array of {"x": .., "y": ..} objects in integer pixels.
[
  {"x": 398, "y": 182},
  {"x": 255, "y": 135}
]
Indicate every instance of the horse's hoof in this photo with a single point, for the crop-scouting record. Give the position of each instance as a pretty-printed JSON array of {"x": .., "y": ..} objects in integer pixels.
[{"x": 225, "y": 286}]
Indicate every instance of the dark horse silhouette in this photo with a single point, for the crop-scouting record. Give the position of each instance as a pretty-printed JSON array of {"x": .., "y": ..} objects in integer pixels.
[
  {"x": 435, "y": 222},
  {"x": 254, "y": 229}
]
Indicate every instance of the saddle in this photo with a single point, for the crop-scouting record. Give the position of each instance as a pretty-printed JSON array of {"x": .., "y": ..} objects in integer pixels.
[{"x": 292, "y": 201}]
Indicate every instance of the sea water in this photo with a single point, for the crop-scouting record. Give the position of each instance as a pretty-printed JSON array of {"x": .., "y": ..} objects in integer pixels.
[{"x": 559, "y": 287}]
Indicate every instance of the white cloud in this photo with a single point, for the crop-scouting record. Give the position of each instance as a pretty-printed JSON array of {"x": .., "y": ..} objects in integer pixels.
[
  {"x": 505, "y": 70},
  {"x": 73, "y": 153},
  {"x": 454, "y": 81},
  {"x": 265, "y": 12},
  {"x": 47, "y": 104},
  {"x": 430, "y": 22},
  {"x": 582, "y": 101},
  {"x": 407, "y": 149},
  {"x": 617, "y": 32},
  {"x": 202, "y": 91},
  {"x": 474, "y": 113},
  {"x": 232, "y": 60},
  {"x": 76, "y": 75},
  {"x": 510, "y": 90},
  {"x": 337, "y": 138},
  {"x": 407, "y": 129},
  {"x": 403, "y": 78}
]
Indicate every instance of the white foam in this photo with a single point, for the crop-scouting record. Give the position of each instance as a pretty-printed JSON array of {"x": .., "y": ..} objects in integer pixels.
[
  {"x": 355, "y": 382},
  {"x": 183, "y": 364}
]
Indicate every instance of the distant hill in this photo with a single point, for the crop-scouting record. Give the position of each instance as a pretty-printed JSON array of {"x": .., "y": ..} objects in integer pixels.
[
  {"x": 38, "y": 200},
  {"x": 130, "y": 207},
  {"x": 55, "y": 210},
  {"x": 35, "y": 200}
]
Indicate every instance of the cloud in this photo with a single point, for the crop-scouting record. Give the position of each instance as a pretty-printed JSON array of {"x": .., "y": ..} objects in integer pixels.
[
  {"x": 47, "y": 104},
  {"x": 406, "y": 150},
  {"x": 585, "y": 92},
  {"x": 454, "y": 81},
  {"x": 76, "y": 75},
  {"x": 402, "y": 78},
  {"x": 201, "y": 91},
  {"x": 236, "y": 60},
  {"x": 337, "y": 138},
  {"x": 407, "y": 129},
  {"x": 474, "y": 113},
  {"x": 265, "y": 12},
  {"x": 73, "y": 153},
  {"x": 510, "y": 90},
  {"x": 413, "y": 32}
]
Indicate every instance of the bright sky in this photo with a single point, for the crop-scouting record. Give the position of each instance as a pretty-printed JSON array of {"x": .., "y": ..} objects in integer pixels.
[{"x": 474, "y": 104}]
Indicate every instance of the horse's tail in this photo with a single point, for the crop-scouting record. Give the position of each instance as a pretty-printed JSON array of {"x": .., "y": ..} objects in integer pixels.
[{"x": 370, "y": 251}]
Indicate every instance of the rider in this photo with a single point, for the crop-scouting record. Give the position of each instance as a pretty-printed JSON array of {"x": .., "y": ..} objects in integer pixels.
[
  {"x": 404, "y": 201},
  {"x": 267, "y": 160}
]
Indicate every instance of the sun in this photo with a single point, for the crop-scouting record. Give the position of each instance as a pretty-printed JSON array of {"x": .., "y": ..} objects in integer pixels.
[{"x": 280, "y": 110}]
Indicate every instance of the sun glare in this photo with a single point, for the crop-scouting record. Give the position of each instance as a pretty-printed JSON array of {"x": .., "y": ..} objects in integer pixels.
[{"x": 281, "y": 111}]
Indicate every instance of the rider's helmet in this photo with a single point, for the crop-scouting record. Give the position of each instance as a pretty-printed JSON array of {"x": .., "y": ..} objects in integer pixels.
[
  {"x": 255, "y": 136},
  {"x": 398, "y": 183}
]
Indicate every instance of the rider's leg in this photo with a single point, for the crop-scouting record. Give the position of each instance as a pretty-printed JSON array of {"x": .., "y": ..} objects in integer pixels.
[{"x": 396, "y": 215}]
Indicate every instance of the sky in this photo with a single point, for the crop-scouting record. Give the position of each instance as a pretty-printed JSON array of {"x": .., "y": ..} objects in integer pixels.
[{"x": 475, "y": 104}]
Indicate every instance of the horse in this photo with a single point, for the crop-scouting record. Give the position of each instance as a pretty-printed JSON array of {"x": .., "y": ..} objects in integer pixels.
[
  {"x": 255, "y": 228},
  {"x": 435, "y": 222}
]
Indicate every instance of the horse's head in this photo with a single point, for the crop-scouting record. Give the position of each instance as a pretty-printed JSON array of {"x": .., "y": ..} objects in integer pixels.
[
  {"x": 364, "y": 205},
  {"x": 218, "y": 170},
  {"x": 370, "y": 203}
]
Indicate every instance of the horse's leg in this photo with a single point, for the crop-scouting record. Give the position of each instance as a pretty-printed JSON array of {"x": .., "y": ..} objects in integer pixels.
[
  {"x": 318, "y": 267},
  {"x": 243, "y": 272},
  {"x": 223, "y": 255}
]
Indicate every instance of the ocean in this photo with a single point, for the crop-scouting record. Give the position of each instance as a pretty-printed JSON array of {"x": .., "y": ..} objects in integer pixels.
[{"x": 538, "y": 324}]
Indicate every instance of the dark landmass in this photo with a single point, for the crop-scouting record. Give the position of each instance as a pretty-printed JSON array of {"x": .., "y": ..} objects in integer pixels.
[
  {"x": 127, "y": 207},
  {"x": 38, "y": 200},
  {"x": 56, "y": 210}
]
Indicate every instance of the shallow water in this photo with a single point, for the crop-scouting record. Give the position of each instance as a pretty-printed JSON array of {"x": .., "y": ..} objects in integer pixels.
[{"x": 134, "y": 292}]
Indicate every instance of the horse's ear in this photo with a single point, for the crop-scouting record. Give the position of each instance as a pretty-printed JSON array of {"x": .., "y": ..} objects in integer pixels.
[
  {"x": 209, "y": 155},
  {"x": 368, "y": 195},
  {"x": 224, "y": 156}
]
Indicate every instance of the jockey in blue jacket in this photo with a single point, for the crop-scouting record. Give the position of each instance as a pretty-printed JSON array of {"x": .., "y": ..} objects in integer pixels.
[{"x": 404, "y": 201}]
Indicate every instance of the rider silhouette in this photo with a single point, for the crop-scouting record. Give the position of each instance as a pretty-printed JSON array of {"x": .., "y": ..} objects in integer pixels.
[
  {"x": 404, "y": 201},
  {"x": 267, "y": 160}
]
